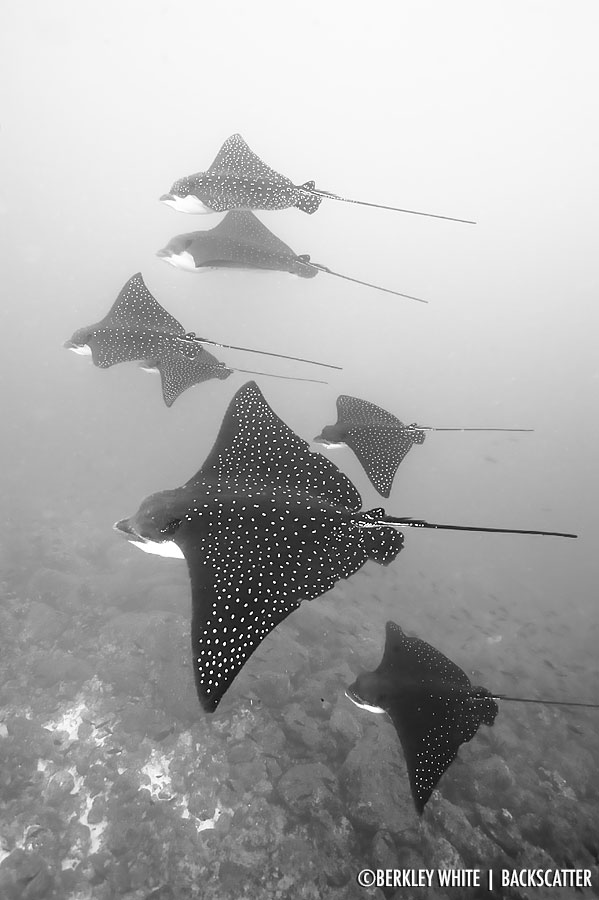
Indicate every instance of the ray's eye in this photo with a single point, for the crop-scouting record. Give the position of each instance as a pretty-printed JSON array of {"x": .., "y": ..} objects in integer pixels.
[{"x": 171, "y": 527}]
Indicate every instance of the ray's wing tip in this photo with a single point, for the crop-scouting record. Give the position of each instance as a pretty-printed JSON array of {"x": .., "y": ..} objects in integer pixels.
[
  {"x": 250, "y": 387},
  {"x": 208, "y": 704}
]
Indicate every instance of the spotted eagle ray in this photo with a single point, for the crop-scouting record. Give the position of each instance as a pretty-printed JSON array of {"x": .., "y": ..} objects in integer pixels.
[
  {"x": 137, "y": 327},
  {"x": 242, "y": 241},
  {"x": 238, "y": 179},
  {"x": 178, "y": 373},
  {"x": 378, "y": 438},
  {"x": 263, "y": 525},
  {"x": 432, "y": 704}
]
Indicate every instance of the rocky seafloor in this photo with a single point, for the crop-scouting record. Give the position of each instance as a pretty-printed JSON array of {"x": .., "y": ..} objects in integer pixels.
[{"x": 114, "y": 784}]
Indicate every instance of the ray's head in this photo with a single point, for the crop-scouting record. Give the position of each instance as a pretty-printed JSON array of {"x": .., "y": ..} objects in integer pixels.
[
  {"x": 370, "y": 692},
  {"x": 186, "y": 196},
  {"x": 177, "y": 252},
  {"x": 179, "y": 244},
  {"x": 332, "y": 437},
  {"x": 155, "y": 526},
  {"x": 181, "y": 188},
  {"x": 79, "y": 342}
]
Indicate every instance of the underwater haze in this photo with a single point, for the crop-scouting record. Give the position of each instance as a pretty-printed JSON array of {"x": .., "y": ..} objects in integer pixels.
[{"x": 114, "y": 783}]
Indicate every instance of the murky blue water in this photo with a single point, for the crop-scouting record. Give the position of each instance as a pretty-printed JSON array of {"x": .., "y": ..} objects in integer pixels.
[{"x": 113, "y": 782}]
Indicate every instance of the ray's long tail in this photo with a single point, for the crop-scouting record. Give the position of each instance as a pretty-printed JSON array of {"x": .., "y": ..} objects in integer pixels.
[
  {"x": 192, "y": 339},
  {"x": 310, "y": 190},
  {"x": 377, "y": 287},
  {"x": 543, "y": 702},
  {"x": 409, "y": 522}
]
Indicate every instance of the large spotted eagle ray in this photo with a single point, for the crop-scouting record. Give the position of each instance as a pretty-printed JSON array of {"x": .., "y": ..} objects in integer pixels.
[
  {"x": 263, "y": 525},
  {"x": 242, "y": 241},
  {"x": 432, "y": 704},
  {"x": 238, "y": 179},
  {"x": 378, "y": 438},
  {"x": 137, "y": 327}
]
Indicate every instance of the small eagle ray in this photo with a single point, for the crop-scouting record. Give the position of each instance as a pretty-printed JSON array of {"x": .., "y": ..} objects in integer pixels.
[
  {"x": 264, "y": 524},
  {"x": 378, "y": 438},
  {"x": 433, "y": 705},
  {"x": 239, "y": 179},
  {"x": 137, "y": 327},
  {"x": 242, "y": 241}
]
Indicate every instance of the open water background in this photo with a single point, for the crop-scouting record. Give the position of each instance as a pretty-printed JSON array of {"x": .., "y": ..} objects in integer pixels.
[{"x": 474, "y": 110}]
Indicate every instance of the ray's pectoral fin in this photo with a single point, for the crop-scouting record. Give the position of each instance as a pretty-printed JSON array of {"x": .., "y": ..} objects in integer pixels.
[
  {"x": 431, "y": 735},
  {"x": 227, "y": 626},
  {"x": 380, "y": 453},
  {"x": 255, "y": 444}
]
